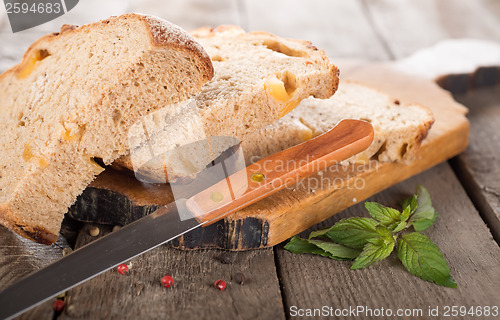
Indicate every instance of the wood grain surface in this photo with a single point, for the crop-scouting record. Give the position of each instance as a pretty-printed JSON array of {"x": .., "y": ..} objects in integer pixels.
[
  {"x": 139, "y": 295},
  {"x": 479, "y": 166},
  {"x": 19, "y": 257}
]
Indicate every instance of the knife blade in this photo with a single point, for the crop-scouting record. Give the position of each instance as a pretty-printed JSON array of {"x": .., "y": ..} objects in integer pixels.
[{"x": 232, "y": 193}]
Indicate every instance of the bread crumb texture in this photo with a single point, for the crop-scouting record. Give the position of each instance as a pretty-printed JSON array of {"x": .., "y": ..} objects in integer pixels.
[
  {"x": 71, "y": 101},
  {"x": 399, "y": 128}
]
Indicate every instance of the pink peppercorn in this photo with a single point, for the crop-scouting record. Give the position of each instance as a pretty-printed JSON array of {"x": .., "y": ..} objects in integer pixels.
[
  {"x": 220, "y": 284},
  {"x": 58, "y": 305},
  {"x": 167, "y": 281},
  {"x": 122, "y": 268}
]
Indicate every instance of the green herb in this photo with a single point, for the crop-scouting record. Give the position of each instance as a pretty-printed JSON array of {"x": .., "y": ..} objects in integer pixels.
[
  {"x": 424, "y": 215},
  {"x": 385, "y": 215},
  {"x": 422, "y": 258},
  {"x": 368, "y": 240},
  {"x": 323, "y": 248},
  {"x": 352, "y": 232}
]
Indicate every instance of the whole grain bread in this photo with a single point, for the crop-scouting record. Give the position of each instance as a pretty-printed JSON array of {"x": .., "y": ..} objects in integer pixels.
[
  {"x": 259, "y": 77},
  {"x": 399, "y": 128},
  {"x": 71, "y": 101}
]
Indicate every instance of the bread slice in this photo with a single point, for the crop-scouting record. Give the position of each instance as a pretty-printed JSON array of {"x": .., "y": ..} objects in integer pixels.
[
  {"x": 259, "y": 77},
  {"x": 399, "y": 129},
  {"x": 71, "y": 101}
]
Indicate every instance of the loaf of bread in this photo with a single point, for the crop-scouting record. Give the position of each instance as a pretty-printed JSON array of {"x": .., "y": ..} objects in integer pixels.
[
  {"x": 70, "y": 102},
  {"x": 259, "y": 78},
  {"x": 399, "y": 129}
]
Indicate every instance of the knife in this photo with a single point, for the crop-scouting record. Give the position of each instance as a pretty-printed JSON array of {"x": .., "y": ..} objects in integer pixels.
[{"x": 229, "y": 195}]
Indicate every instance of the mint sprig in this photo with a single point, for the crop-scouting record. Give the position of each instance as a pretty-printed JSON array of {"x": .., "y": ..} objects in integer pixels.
[{"x": 368, "y": 240}]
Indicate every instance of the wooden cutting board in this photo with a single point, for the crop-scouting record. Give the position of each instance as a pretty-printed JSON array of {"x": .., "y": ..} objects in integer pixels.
[{"x": 117, "y": 198}]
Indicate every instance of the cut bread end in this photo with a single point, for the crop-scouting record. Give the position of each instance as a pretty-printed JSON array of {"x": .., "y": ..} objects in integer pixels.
[{"x": 399, "y": 128}]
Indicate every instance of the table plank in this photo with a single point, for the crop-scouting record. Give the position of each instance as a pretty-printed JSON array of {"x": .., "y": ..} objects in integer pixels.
[
  {"x": 408, "y": 26},
  {"x": 312, "y": 281},
  {"x": 139, "y": 295},
  {"x": 479, "y": 166},
  {"x": 20, "y": 257},
  {"x": 337, "y": 26}
]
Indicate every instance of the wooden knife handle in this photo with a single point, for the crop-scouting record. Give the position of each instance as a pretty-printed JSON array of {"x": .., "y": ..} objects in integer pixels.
[{"x": 280, "y": 170}]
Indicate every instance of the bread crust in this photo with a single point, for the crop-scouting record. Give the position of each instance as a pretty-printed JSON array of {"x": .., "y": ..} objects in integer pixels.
[
  {"x": 162, "y": 36},
  {"x": 209, "y": 31},
  {"x": 334, "y": 71},
  {"x": 35, "y": 233}
]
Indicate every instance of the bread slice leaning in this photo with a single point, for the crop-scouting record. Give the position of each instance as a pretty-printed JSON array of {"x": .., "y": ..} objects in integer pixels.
[
  {"x": 259, "y": 77},
  {"x": 399, "y": 129},
  {"x": 71, "y": 101}
]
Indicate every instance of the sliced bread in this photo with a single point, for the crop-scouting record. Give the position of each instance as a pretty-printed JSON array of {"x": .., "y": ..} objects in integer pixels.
[
  {"x": 259, "y": 78},
  {"x": 399, "y": 129},
  {"x": 71, "y": 101}
]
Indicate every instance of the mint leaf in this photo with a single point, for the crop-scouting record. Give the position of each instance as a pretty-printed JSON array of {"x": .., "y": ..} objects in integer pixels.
[
  {"x": 425, "y": 214},
  {"x": 423, "y": 258},
  {"x": 383, "y": 214},
  {"x": 299, "y": 245},
  {"x": 353, "y": 232},
  {"x": 399, "y": 226},
  {"x": 383, "y": 231},
  {"x": 406, "y": 213},
  {"x": 410, "y": 203},
  {"x": 318, "y": 233},
  {"x": 423, "y": 199},
  {"x": 386, "y": 236},
  {"x": 337, "y": 251},
  {"x": 323, "y": 248},
  {"x": 374, "y": 251},
  {"x": 422, "y": 224}
]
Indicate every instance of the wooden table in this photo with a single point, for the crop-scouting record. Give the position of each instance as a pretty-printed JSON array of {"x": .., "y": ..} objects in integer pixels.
[{"x": 465, "y": 190}]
